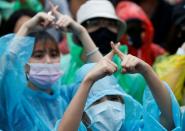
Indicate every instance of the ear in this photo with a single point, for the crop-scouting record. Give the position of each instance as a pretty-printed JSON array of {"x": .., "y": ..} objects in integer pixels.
[{"x": 27, "y": 68}]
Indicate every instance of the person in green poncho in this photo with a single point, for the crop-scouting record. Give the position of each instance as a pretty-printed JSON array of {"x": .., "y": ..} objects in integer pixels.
[
  {"x": 7, "y": 8},
  {"x": 103, "y": 26}
]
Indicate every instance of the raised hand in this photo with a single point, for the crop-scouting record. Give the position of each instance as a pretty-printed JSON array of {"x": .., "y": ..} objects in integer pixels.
[
  {"x": 65, "y": 22},
  {"x": 104, "y": 67},
  {"x": 130, "y": 63},
  {"x": 42, "y": 18}
]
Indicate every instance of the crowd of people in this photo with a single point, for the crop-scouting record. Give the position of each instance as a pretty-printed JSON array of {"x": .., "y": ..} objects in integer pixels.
[{"x": 92, "y": 65}]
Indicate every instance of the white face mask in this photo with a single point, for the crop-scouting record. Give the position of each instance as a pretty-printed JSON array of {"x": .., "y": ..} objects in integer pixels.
[
  {"x": 106, "y": 116},
  {"x": 44, "y": 75}
]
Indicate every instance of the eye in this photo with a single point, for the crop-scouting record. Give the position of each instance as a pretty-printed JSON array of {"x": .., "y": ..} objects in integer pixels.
[
  {"x": 115, "y": 98},
  {"x": 38, "y": 54},
  {"x": 54, "y": 54},
  {"x": 97, "y": 102}
]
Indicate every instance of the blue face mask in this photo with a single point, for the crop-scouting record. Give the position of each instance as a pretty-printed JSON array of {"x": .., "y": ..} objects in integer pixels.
[{"x": 106, "y": 116}]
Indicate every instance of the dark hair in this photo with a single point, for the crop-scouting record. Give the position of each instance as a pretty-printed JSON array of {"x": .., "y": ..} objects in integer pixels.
[
  {"x": 114, "y": 2},
  {"x": 11, "y": 22},
  {"x": 43, "y": 37},
  {"x": 177, "y": 34}
]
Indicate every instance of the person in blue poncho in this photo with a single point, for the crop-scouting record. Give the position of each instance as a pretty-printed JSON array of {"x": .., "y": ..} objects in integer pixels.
[
  {"x": 183, "y": 121},
  {"x": 32, "y": 99},
  {"x": 30, "y": 96},
  {"x": 109, "y": 108}
]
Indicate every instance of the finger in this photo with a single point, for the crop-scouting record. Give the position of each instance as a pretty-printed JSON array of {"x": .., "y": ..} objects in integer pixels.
[
  {"x": 55, "y": 11},
  {"x": 124, "y": 71},
  {"x": 109, "y": 55},
  {"x": 51, "y": 4},
  {"x": 66, "y": 22},
  {"x": 112, "y": 64},
  {"x": 116, "y": 50},
  {"x": 124, "y": 62},
  {"x": 50, "y": 15},
  {"x": 54, "y": 8},
  {"x": 67, "y": 25},
  {"x": 110, "y": 69}
]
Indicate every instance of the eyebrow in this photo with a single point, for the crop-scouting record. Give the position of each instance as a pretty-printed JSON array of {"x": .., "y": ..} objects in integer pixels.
[
  {"x": 53, "y": 50},
  {"x": 38, "y": 51}
]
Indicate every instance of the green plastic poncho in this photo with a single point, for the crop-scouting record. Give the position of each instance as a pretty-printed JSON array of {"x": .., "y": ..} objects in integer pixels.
[{"x": 7, "y": 8}]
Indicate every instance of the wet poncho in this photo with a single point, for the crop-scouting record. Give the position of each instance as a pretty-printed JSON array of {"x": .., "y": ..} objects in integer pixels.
[
  {"x": 149, "y": 51},
  {"x": 183, "y": 121},
  {"x": 137, "y": 117},
  {"x": 22, "y": 108}
]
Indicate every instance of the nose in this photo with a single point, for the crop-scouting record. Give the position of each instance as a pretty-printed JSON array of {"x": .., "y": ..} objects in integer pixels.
[{"x": 48, "y": 59}]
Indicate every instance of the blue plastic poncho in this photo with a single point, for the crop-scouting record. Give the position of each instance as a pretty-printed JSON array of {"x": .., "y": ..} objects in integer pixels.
[
  {"x": 22, "y": 108},
  {"x": 152, "y": 111},
  {"x": 137, "y": 117},
  {"x": 183, "y": 121}
]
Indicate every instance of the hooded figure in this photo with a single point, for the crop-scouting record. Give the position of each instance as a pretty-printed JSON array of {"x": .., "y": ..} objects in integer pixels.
[
  {"x": 22, "y": 108},
  {"x": 139, "y": 35},
  {"x": 104, "y": 111}
]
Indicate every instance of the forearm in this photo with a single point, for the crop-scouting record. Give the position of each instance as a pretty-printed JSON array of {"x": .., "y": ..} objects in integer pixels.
[
  {"x": 161, "y": 95},
  {"x": 23, "y": 31},
  {"x": 72, "y": 117},
  {"x": 89, "y": 45}
]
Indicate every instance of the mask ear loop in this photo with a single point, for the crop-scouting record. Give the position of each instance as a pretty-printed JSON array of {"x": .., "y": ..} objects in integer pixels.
[{"x": 27, "y": 69}]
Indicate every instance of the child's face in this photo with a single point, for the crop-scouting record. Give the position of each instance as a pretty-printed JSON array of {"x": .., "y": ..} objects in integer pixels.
[
  {"x": 96, "y": 117},
  {"x": 45, "y": 53}
]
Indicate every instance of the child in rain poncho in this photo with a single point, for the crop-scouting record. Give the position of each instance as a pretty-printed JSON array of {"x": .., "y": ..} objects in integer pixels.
[
  {"x": 31, "y": 98},
  {"x": 109, "y": 108}
]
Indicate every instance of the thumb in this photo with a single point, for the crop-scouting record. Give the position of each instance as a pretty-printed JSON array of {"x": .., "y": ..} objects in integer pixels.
[
  {"x": 54, "y": 9},
  {"x": 110, "y": 54}
]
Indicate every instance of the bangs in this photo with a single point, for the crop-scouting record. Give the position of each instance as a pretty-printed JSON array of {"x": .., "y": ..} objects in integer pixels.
[{"x": 45, "y": 40}]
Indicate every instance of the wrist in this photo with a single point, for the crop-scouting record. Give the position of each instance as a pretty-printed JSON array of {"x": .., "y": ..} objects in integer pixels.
[
  {"x": 88, "y": 82},
  {"x": 80, "y": 31},
  {"x": 26, "y": 26},
  {"x": 146, "y": 70}
]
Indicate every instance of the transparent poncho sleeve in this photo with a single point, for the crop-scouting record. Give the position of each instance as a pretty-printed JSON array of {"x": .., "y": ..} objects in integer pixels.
[
  {"x": 3, "y": 46},
  {"x": 14, "y": 52},
  {"x": 152, "y": 113}
]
